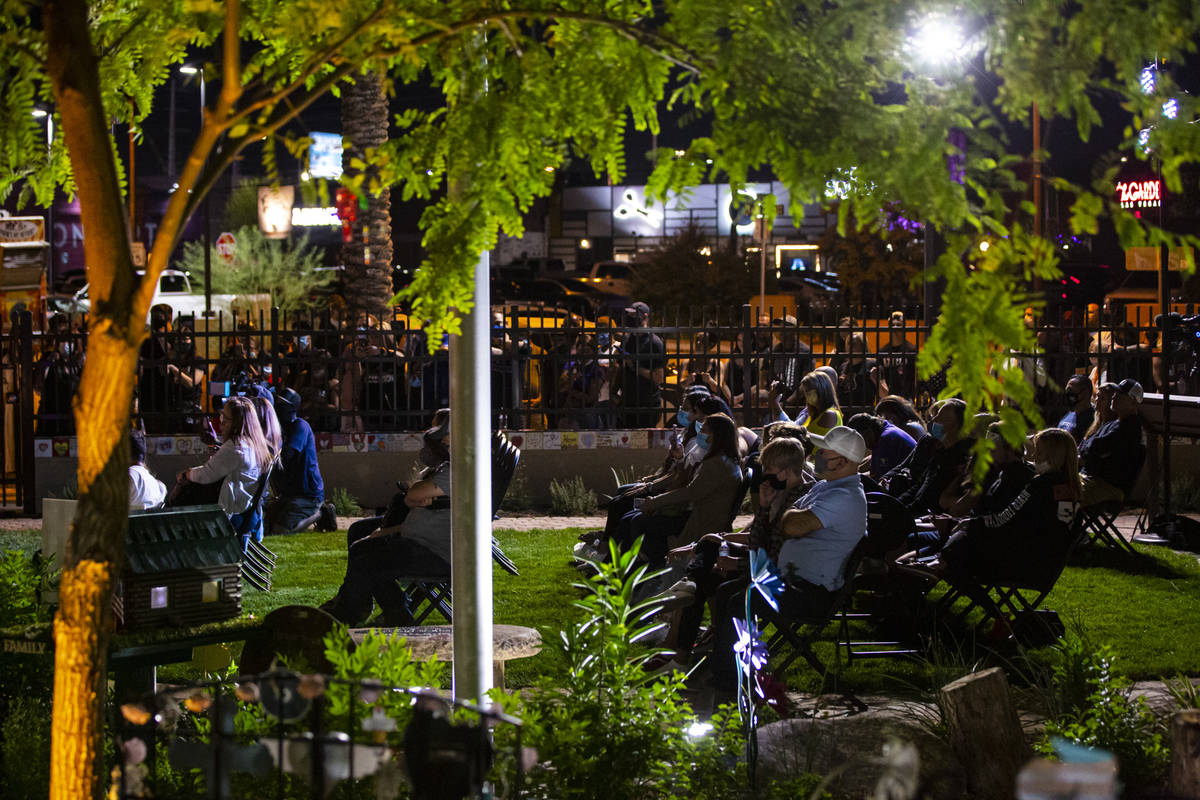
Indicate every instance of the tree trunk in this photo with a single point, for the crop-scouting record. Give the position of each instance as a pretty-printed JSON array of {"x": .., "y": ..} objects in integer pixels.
[
  {"x": 984, "y": 731},
  {"x": 368, "y": 276},
  {"x": 95, "y": 548},
  {"x": 1185, "y": 753}
]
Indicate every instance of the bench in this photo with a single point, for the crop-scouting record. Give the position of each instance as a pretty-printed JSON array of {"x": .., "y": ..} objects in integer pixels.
[{"x": 437, "y": 641}]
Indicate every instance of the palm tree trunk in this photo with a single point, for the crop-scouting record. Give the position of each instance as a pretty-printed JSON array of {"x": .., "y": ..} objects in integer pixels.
[{"x": 368, "y": 264}]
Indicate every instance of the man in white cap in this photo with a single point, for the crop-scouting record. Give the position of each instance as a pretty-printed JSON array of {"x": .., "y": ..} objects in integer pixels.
[
  {"x": 1111, "y": 458},
  {"x": 820, "y": 532}
]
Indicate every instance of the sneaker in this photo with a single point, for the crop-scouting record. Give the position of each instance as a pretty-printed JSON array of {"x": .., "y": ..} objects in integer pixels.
[{"x": 587, "y": 551}]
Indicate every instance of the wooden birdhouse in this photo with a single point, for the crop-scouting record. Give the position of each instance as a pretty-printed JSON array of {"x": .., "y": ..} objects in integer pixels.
[{"x": 183, "y": 567}]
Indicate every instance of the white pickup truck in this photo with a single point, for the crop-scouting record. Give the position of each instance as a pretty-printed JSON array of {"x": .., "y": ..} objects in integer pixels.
[{"x": 175, "y": 290}]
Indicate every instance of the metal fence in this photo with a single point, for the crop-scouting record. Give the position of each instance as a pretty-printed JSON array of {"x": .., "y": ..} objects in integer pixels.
[{"x": 554, "y": 369}]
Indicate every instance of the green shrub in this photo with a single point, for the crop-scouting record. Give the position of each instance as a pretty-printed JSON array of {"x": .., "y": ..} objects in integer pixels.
[
  {"x": 571, "y": 498},
  {"x": 344, "y": 503},
  {"x": 1107, "y": 717},
  {"x": 25, "y": 747},
  {"x": 518, "y": 497},
  {"x": 21, "y": 579}
]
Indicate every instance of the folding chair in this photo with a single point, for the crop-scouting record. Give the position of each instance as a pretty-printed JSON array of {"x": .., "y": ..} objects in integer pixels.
[
  {"x": 258, "y": 561},
  {"x": 1099, "y": 525},
  {"x": 889, "y": 523},
  {"x": 794, "y": 636},
  {"x": 432, "y": 593}
]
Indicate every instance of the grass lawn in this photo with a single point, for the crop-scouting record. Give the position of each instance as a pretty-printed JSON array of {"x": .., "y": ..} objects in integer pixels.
[{"x": 1147, "y": 607}]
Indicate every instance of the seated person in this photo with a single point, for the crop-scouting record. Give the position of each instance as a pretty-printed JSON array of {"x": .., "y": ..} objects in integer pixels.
[
  {"x": 935, "y": 463},
  {"x": 887, "y": 444},
  {"x": 820, "y": 412},
  {"x": 900, "y": 412},
  {"x": 785, "y": 480},
  {"x": 1112, "y": 457},
  {"x": 688, "y": 512},
  {"x": 418, "y": 547},
  {"x": 145, "y": 490},
  {"x": 1007, "y": 477},
  {"x": 298, "y": 489},
  {"x": 818, "y": 535},
  {"x": 683, "y": 459},
  {"x": 1078, "y": 396},
  {"x": 1027, "y": 540},
  {"x": 235, "y": 467}
]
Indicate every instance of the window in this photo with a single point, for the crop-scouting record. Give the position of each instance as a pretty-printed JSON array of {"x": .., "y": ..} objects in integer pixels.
[
  {"x": 210, "y": 591},
  {"x": 158, "y": 596}
]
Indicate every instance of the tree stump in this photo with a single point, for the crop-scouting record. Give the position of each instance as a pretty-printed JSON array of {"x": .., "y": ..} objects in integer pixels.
[
  {"x": 984, "y": 731},
  {"x": 1185, "y": 753}
]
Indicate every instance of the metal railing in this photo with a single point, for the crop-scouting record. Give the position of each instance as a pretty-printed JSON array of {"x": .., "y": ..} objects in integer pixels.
[{"x": 554, "y": 369}]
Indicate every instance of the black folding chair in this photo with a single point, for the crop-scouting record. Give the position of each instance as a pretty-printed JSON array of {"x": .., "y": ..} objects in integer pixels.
[
  {"x": 258, "y": 561},
  {"x": 794, "y": 636},
  {"x": 1099, "y": 526},
  {"x": 433, "y": 593},
  {"x": 889, "y": 522}
]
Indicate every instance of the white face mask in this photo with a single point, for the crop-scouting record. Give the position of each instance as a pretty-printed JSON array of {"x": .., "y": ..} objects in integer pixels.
[{"x": 1042, "y": 467}]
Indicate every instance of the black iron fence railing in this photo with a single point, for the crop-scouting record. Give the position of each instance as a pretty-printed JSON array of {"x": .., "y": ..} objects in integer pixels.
[{"x": 553, "y": 369}]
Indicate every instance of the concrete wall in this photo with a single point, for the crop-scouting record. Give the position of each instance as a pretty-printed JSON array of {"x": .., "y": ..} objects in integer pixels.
[{"x": 371, "y": 475}]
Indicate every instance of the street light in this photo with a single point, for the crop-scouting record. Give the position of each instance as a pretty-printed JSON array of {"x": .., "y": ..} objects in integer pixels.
[
  {"x": 189, "y": 70},
  {"x": 40, "y": 113}
]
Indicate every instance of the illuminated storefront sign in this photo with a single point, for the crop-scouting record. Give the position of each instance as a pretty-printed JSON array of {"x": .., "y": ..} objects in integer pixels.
[
  {"x": 315, "y": 217},
  {"x": 1140, "y": 194}
]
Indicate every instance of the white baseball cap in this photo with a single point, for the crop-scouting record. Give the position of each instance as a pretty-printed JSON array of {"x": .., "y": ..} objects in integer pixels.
[{"x": 844, "y": 441}]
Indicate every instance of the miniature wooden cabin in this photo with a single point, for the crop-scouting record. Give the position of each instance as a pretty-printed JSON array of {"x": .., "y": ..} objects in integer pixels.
[{"x": 183, "y": 567}]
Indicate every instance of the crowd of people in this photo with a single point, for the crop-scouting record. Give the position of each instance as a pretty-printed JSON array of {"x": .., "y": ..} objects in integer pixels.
[
  {"x": 809, "y": 484},
  {"x": 367, "y": 374}
]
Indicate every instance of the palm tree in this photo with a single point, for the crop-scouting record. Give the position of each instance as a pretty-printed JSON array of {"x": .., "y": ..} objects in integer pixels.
[{"x": 368, "y": 278}]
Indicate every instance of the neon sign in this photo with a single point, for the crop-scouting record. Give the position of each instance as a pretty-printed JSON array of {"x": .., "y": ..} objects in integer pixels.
[
  {"x": 1140, "y": 194},
  {"x": 633, "y": 209}
]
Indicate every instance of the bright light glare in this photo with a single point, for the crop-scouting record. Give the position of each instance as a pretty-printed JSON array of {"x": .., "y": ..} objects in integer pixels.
[
  {"x": 1170, "y": 109},
  {"x": 1148, "y": 79},
  {"x": 188, "y": 69},
  {"x": 698, "y": 729},
  {"x": 983, "y": 247},
  {"x": 305, "y": 176},
  {"x": 1144, "y": 140},
  {"x": 39, "y": 112},
  {"x": 938, "y": 41}
]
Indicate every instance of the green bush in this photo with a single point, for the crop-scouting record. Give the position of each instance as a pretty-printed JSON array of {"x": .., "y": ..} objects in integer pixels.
[
  {"x": 25, "y": 747},
  {"x": 1107, "y": 716},
  {"x": 571, "y": 498},
  {"x": 518, "y": 497},
  {"x": 344, "y": 503}
]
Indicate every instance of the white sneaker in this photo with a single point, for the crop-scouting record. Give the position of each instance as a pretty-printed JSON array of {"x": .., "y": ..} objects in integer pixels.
[{"x": 588, "y": 551}]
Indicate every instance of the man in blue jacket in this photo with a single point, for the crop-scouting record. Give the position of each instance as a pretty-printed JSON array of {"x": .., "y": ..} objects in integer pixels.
[{"x": 297, "y": 490}]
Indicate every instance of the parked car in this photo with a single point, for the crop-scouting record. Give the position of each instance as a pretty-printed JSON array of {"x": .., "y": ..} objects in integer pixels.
[{"x": 612, "y": 277}]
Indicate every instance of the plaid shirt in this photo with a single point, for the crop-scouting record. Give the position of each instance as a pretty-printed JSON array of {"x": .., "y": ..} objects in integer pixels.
[{"x": 766, "y": 532}]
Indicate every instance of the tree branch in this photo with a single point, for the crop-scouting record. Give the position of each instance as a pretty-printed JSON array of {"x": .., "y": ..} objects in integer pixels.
[{"x": 111, "y": 48}]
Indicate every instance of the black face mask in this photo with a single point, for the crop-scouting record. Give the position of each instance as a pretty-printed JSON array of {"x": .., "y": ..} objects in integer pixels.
[
  {"x": 1071, "y": 398},
  {"x": 774, "y": 481},
  {"x": 429, "y": 456}
]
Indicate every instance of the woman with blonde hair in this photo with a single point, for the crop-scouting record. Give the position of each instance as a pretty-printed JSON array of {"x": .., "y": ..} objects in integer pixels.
[
  {"x": 237, "y": 464},
  {"x": 821, "y": 410},
  {"x": 1027, "y": 541}
]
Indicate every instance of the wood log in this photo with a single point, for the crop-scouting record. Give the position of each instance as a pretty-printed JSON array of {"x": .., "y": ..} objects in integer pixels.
[
  {"x": 1185, "y": 753},
  {"x": 984, "y": 731}
]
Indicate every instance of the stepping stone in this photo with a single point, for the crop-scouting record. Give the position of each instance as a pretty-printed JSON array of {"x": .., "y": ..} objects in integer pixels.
[{"x": 508, "y": 642}]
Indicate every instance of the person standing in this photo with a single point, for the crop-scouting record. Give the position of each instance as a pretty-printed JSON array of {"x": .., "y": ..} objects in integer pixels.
[
  {"x": 643, "y": 370},
  {"x": 898, "y": 358}
]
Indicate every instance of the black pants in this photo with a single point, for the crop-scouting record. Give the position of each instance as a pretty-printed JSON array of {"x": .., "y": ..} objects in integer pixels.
[
  {"x": 372, "y": 570},
  {"x": 800, "y": 600},
  {"x": 655, "y": 529},
  {"x": 700, "y": 572}
]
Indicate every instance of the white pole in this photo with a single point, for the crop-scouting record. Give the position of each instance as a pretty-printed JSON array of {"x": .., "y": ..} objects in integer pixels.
[{"x": 471, "y": 494}]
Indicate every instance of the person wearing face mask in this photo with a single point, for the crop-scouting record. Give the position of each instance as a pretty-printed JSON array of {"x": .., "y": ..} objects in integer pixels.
[
  {"x": 709, "y": 574},
  {"x": 688, "y": 512},
  {"x": 938, "y": 460},
  {"x": 1079, "y": 416},
  {"x": 298, "y": 491},
  {"x": 1006, "y": 478},
  {"x": 1112, "y": 457},
  {"x": 1026, "y": 540},
  {"x": 817, "y": 534},
  {"x": 820, "y": 412}
]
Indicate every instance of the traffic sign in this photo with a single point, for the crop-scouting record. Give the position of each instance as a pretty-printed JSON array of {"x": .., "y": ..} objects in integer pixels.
[{"x": 226, "y": 247}]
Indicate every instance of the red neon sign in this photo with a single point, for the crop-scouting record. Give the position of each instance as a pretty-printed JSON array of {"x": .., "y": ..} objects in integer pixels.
[{"x": 1140, "y": 194}]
